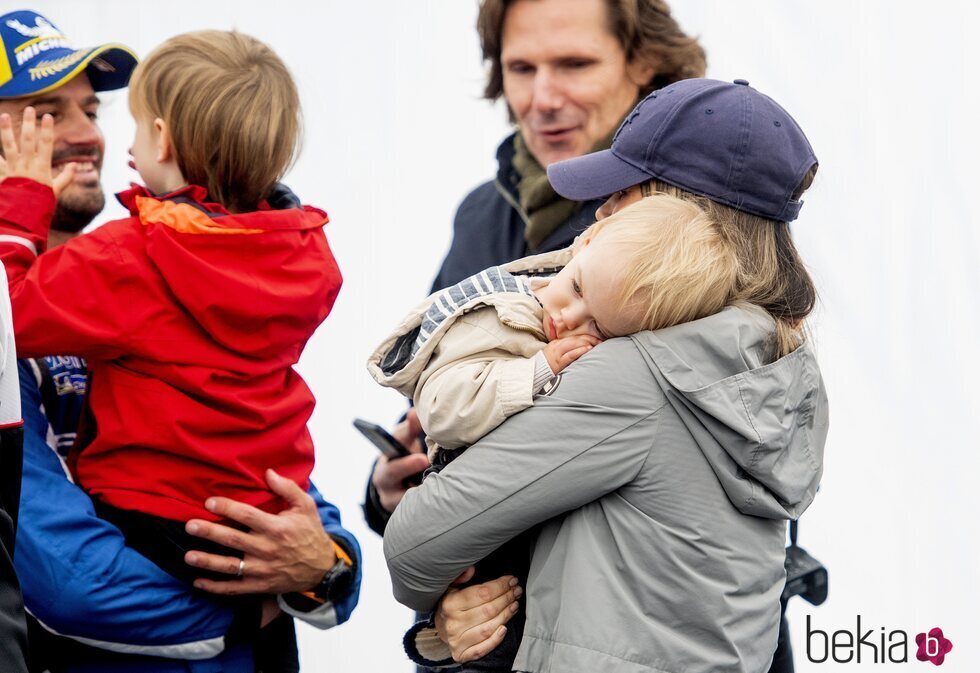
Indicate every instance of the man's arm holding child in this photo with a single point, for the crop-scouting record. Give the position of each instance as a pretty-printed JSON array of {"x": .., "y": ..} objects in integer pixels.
[{"x": 285, "y": 554}]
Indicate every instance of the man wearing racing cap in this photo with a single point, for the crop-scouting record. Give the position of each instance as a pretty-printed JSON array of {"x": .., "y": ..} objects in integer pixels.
[
  {"x": 38, "y": 67},
  {"x": 79, "y": 579}
]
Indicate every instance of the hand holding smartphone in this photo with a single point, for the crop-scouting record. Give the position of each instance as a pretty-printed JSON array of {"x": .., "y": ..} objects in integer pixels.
[
  {"x": 401, "y": 468},
  {"x": 382, "y": 439}
]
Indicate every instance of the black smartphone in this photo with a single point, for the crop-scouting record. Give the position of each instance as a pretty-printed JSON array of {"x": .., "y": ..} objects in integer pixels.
[{"x": 381, "y": 438}]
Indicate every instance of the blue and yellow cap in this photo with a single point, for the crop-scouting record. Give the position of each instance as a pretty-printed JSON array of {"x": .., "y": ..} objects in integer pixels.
[{"x": 35, "y": 57}]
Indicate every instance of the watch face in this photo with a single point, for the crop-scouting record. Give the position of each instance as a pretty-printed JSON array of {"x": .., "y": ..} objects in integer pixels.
[
  {"x": 336, "y": 582},
  {"x": 341, "y": 584}
]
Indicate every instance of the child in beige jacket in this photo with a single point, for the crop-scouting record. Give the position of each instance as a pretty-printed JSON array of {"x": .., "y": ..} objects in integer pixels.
[{"x": 478, "y": 352}]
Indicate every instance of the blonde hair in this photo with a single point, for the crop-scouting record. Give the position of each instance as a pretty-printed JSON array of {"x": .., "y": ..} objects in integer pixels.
[
  {"x": 232, "y": 110},
  {"x": 677, "y": 266},
  {"x": 770, "y": 272}
]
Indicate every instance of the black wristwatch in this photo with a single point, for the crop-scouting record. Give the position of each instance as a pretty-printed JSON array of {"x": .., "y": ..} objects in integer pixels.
[
  {"x": 336, "y": 582},
  {"x": 335, "y": 585}
]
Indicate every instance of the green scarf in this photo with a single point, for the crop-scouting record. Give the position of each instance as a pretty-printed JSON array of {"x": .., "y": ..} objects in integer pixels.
[{"x": 543, "y": 208}]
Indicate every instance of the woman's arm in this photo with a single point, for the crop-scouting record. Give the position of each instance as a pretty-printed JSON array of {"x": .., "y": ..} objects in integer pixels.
[
  {"x": 471, "y": 622},
  {"x": 582, "y": 441}
]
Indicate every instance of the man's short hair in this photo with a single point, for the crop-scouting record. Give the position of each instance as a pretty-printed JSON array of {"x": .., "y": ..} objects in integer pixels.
[
  {"x": 644, "y": 28},
  {"x": 232, "y": 110}
]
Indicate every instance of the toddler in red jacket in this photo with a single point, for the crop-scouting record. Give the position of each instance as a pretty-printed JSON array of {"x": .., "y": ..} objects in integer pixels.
[{"x": 192, "y": 311}]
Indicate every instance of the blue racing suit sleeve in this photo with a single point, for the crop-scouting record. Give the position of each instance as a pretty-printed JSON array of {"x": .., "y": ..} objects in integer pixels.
[{"x": 78, "y": 577}]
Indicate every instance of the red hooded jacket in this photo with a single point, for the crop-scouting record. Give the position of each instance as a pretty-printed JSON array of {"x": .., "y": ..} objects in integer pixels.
[{"x": 191, "y": 320}]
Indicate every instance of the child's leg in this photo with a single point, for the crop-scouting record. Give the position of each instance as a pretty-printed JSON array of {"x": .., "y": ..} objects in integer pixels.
[
  {"x": 164, "y": 541},
  {"x": 275, "y": 647}
]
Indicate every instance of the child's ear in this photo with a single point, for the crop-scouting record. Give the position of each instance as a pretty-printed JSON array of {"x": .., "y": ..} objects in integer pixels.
[
  {"x": 164, "y": 147},
  {"x": 582, "y": 240}
]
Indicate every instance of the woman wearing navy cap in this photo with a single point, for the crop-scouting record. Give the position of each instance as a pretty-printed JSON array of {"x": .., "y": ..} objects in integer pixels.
[{"x": 661, "y": 467}]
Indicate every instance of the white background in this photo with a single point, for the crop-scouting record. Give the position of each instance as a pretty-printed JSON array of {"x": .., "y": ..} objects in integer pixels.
[{"x": 396, "y": 134}]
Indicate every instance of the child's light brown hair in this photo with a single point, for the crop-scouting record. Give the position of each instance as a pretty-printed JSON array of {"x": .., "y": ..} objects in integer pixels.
[
  {"x": 232, "y": 110},
  {"x": 677, "y": 266}
]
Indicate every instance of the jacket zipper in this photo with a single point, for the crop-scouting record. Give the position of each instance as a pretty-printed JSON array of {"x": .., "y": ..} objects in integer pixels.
[{"x": 524, "y": 328}]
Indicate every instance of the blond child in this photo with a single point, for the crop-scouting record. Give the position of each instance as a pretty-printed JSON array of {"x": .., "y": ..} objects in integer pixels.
[
  {"x": 478, "y": 352},
  {"x": 192, "y": 311}
]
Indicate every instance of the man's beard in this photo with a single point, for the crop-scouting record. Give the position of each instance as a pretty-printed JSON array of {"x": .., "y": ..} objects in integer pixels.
[
  {"x": 75, "y": 211},
  {"x": 78, "y": 204}
]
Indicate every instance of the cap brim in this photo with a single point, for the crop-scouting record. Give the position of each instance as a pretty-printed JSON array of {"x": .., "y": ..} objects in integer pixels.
[
  {"x": 594, "y": 176},
  {"x": 108, "y": 66}
]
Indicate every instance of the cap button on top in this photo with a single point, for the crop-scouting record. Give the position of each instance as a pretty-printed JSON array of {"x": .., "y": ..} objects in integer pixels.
[{"x": 743, "y": 82}]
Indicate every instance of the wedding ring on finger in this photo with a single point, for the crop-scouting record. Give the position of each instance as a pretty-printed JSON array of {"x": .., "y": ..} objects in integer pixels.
[{"x": 241, "y": 568}]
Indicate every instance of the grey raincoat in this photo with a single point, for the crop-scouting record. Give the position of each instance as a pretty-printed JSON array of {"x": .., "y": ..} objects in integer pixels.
[{"x": 663, "y": 467}]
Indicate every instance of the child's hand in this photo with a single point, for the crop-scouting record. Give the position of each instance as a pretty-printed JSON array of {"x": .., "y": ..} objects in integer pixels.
[
  {"x": 562, "y": 352},
  {"x": 33, "y": 158}
]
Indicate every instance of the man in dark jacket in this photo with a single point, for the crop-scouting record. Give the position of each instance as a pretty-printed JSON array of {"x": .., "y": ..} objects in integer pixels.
[
  {"x": 570, "y": 71},
  {"x": 568, "y": 79}
]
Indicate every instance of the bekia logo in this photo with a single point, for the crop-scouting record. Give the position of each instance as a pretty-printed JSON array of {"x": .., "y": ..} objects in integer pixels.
[
  {"x": 933, "y": 646},
  {"x": 874, "y": 646}
]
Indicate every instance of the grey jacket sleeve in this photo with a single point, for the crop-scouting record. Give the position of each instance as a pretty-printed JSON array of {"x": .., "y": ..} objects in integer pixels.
[{"x": 589, "y": 436}]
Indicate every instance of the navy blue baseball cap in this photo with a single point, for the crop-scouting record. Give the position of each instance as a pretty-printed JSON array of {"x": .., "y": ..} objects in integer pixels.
[
  {"x": 723, "y": 141},
  {"x": 35, "y": 57}
]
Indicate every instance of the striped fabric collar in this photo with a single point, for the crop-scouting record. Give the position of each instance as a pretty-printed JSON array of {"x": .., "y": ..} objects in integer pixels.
[{"x": 447, "y": 302}]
